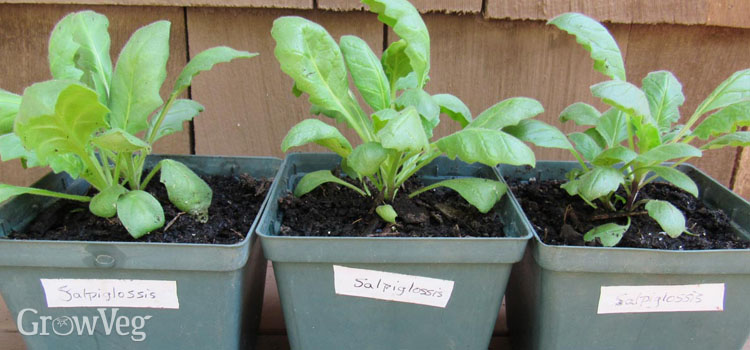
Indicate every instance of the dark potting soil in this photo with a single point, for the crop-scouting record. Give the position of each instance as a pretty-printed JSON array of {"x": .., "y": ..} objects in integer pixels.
[
  {"x": 333, "y": 210},
  {"x": 235, "y": 203},
  {"x": 561, "y": 219}
]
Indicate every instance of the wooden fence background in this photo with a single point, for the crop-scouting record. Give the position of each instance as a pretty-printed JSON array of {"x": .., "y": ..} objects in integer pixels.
[{"x": 483, "y": 51}]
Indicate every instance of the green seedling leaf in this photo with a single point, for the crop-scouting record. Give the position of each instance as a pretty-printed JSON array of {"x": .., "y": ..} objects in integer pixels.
[
  {"x": 313, "y": 130},
  {"x": 671, "y": 219},
  {"x": 316, "y": 178},
  {"x": 397, "y": 67},
  {"x": 387, "y": 213},
  {"x": 598, "y": 182},
  {"x": 664, "y": 94},
  {"x": 649, "y": 137},
  {"x": 367, "y": 72},
  {"x": 90, "y": 32},
  {"x": 675, "y": 177},
  {"x": 612, "y": 127},
  {"x": 586, "y": 145},
  {"x": 381, "y": 118},
  {"x": 609, "y": 234},
  {"x": 539, "y": 133},
  {"x": 735, "y": 89},
  {"x": 11, "y": 147},
  {"x": 181, "y": 112},
  {"x": 666, "y": 152},
  {"x": 140, "y": 71},
  {"x": 204, "y": 61},
  {"x": 62, "y": 50},
  {"x": 104, "y": 203},
  {"x": 726, "y": 120},
  {"x": 623, "y": 96},
  {"x": 489, "y": 147},
  {"x": 186, "y": 190},
  {"x": 453, "y": 107},
  {"x": 7, "y": 191},
  {"x": 507, "y": 112},
  {"x": 614, "y": 155},
  {"x": 737, "y": 139},
  {"x": 595, "y": 39},
  {"x": 139, "y": 212},
  {"x": 404, "y": 133},
  {"x": 366, "y": 158},
  {"x": 481, "y": 193},
  {"x": 581, "y": 113},
  {"x": 425, "y": 105},
  {"x": 408, "y": 25},
  {"x": 9, "y": 104},
  {"x": 119, "y": 141}
]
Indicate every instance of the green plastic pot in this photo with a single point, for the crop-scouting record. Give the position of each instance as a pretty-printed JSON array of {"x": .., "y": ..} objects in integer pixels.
[
  {"x": 552, "y": 301},
  {"x": 317, "y": 318},
  {"x": 219, "y": 288}
]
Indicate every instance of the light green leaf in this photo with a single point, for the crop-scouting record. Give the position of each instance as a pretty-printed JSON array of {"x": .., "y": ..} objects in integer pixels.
[
  {"x": 614, "y": 155},
  {"x": 735, "y": 89},
  {"x": 186, "y": 190},
  {"x": 539, "y": 133},
  {"x": 104, "y": 203},
  {"x": 737, "y": 139},
  {"x": 664, "y": 94},
  {"x": 313, "y": 130},
  {"x": 489, "y": 147},
  {"x": 666, "y": 152},
  {"x": 140, "y": 213},
  {"x": 404, "y": 133},
  {"x": 623, "y": 96},
  {"x": 316, "y": 178},
  {"x": 507, "y": 112},
  {"x": 11, "y": 147},
  {"x": 648, "y": 136},
  {"x": 613, "y": 127},
  {"x": 204, "y": 61},
  {"x": 63, "y": 49},
  {"x": 140, "y": 71},
  {"x": 120, "y": 141},
  {"x": 586, "y": 145},
  {"x": 671, "y": 219},
  {"x": 69, "y": 163},
  {"x": 381, "y": 118},
  {"x": 397, "y": 67},
  {"x": 581, "y": 113},
  {"x": 428, "y": 109},
  {"x": 408, "y": 25},
  {"x": 182, "y": 111},
  {"x": 367, "y": 72},
  {"x": 9, "y": 104},
  {"x": 7, "y": 191},
  {"x": 93, "y": 54},
  {"x": 599, "y": 182},
  {"x": 366, "y": 158},
  {"x": 597, "y": 40},
  {"x": 454, "y": 108},
  {"x": 481, "y": 193},
  {"x": 675, "y": 177},
  {"x": 609, "y": 234},
  {"x": 387, "y": 213},
  {"x": 726, "y": 120}
]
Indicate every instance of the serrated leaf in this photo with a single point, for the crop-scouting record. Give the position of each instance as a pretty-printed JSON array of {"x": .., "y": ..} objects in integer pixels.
[
  {"x": 387, "y": 213},
  {"x": 429, "y": 111},
  {"x": 735, "y": 89},
  {"x": 62, "y": 50},
  {"x": 737, "y": 139},
  {"x": 204, "y": 61},
  {"x": 671, "y": 219},
  {"x": 489, "y": 147},
  {"x": 613, "y": 127},
  {"x": 453, "y": 107},
  {"x": 405, "y": 132},
  {"x": 599, "y": 182},
  {"x": 539, "y": 133},
  {"x": 609, "y": 234},
  {"x": 675, "y": 177},
  {"x": 595, "y": 39},
  {"x": 623, "y": 96},
  {"x": 104, "y": 203},
  {"x": 186, "y": 190},
  {"x": 93, "y": 54},
  {"x": 120, "y": 141},
  {"x": 9, "y": 104},
  {"x": 581, "y": 113},
  {"x": 182, "y": 111},
  {"x": 586, "y": 145},
  {"x": 367, "y": 72},
  {"x": 666, "y": 152},
  {"x": 140, "y": 71},
  {"x": 726, "y": 120},
  {"x": 316, "y": 178},
  {"x": 664, "y": 94},
  {"x": 614, "y": 155},
  {"x": 140, "y": 213},
  {"x": 366, "y": 158},
  {"x": 507, "y": 112},
  {"x": 313, "y": 130},
  {"x": 481, "y": 193}
]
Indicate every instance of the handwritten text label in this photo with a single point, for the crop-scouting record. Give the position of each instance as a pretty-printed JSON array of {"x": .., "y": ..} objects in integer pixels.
[
  {"x": 111, "y": 293},
  {"x": 392, "y": 286},
  {"x": 679, "y": 298}
]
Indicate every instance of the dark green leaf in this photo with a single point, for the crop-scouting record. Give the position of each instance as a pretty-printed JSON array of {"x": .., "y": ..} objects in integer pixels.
[
  {"x": 664, "y": 94},
  {"x": 316, "y": 178},
  {"x": 366, "y": 158},
  {"x": 140, "y": 213},
  {"x": 675, "y": 177},
  {"x": 671, "y": 219},
  {"x": 599, "y": 182},
  {"x": 489, "y": 147},
  {"x": 507, "y": 112},
  {"x": 726, "y": 120},
  {"x": 539, "y": 133},
  {"x": 204, "y": 61},
  {"x": 313, "y": 130},
  {"x": 367, "y": 72},
  {"x": 581, "y": 113},
  {"x": 454, "y": 108},
  {"x": 404, "y": 133}
]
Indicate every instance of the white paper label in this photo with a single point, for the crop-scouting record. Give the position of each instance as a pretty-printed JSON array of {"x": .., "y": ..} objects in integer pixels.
[
  {"x": 680, "y": 298},
  {"x": 392, "y": 286},
  {"x": 111, "y": 293}
]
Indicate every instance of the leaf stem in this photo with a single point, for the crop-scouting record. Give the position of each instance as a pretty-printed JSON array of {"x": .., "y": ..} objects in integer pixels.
[{"x": 151, "y": 175}]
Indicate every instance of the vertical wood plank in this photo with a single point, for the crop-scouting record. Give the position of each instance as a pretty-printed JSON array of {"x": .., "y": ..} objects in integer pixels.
[
  {"x": 249, "y": 104},
  {"x": 449, "y": 6},
  {"x": 303, "y": 4},
  {"x": 24, "y": 31}
]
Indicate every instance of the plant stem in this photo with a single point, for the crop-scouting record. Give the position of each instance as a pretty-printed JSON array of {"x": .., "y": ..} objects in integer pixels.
[{"x": 151, "y": 175}]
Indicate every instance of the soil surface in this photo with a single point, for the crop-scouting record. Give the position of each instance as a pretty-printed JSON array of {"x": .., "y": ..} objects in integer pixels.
[
  {"x": 235, "y": 203},
  {"x": 333, "y": 210},
  {"x": 561, "y": 219}
]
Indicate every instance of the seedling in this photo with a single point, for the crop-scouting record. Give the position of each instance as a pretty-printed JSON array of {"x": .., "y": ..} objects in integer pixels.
[
  {"x": 98, "y": 124},
  {"x": 628, "y": 144}
]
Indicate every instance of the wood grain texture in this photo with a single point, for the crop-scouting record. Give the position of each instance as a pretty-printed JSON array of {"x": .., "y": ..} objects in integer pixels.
[
  {"x": 299, "y": 4},
  {"x": 249, "y": 104},
  {"x": 424, "y": 6},
  {"x": 741, "y": 183},
  {"x": 731, "y": 13},
  {"x": 24, "y": 32}
]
